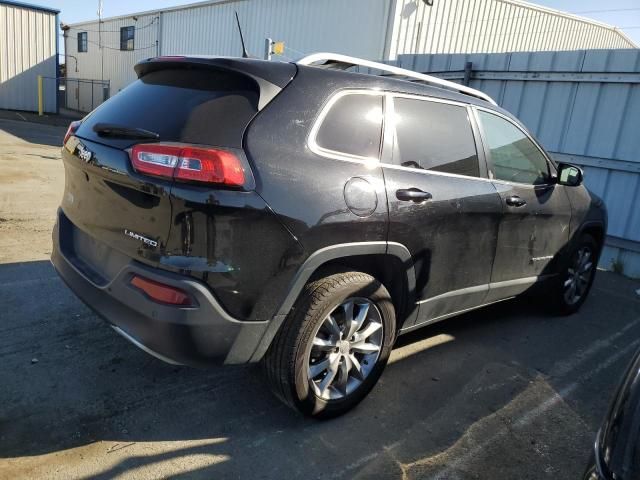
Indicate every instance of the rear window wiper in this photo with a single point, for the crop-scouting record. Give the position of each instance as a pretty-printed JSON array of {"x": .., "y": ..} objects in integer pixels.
[{"x": 113, "y": 130}]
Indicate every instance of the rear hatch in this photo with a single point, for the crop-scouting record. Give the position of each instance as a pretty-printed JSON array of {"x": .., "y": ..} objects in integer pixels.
[{"x": 176, "y": 104}]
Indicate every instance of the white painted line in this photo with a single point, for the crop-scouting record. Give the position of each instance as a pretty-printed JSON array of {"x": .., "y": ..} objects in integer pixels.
[
  {"x": 30, "y": 281},
  {"x": 464, "y": 460},
  {"x": 563, "y": 368}
]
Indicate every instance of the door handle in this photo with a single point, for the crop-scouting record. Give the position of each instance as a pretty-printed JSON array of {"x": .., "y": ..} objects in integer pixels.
[
  {"x": 515, "y": 201},
  {"x": 412, "y": 195}
]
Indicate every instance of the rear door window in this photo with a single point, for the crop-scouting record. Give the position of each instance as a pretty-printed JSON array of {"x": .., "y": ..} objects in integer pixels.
[
  {"x": 352, "y": 126},
  {"x": 191, "y": 106},
  {"x": 434, "y": 136}
]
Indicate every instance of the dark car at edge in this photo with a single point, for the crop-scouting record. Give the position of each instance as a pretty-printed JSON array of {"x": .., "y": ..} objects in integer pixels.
[
  {"x": 223, "y": 210},
  {"x": 616, "y": 451}
]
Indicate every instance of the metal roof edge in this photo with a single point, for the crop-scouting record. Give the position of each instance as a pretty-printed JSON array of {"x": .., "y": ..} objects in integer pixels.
[
  {"x": 553, "y": 11},
  {"x": 29, "y": 5},
  {"x": 187, "y": 6},
  {"x": 626, "y": 37}
]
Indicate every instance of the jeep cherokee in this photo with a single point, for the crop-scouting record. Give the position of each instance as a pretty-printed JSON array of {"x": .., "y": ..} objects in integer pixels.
[{"x": 223, "y": 210}]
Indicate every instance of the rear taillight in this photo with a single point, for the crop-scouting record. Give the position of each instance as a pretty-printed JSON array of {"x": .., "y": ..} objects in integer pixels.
[
  {"x": 73, "y": 126},
  {"x": 162, "y": 293},
  {"x": 207, "y": 165}
]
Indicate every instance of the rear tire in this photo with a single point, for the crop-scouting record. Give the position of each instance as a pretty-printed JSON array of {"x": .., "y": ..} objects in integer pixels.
[
  {"x": 570, "y": 291},
  {"x": 333, "y": 345}
]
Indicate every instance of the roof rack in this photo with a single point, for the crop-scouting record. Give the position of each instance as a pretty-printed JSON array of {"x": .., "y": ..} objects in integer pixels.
[{"x": 346, "y": 61}]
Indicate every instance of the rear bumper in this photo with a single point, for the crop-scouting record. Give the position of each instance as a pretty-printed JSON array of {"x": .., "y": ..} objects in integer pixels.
[{"x": 196, "y": 336}]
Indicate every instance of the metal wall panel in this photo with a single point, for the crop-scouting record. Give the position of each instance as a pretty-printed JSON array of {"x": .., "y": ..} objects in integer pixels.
[
  {"x": 587, "y": 113},
  {"x": 27, "y": 49},
  {"x": 356, "y": 27},
  {"x": 469, "y": 26}
]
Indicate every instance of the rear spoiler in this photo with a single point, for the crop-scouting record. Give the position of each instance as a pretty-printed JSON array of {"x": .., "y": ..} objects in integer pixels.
[{"x": 271, "y": 77}]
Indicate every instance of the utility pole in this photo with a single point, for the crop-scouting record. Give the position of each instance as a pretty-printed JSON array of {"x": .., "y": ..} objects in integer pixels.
[
  {"x": 267, "y": 48},
  {"x": 100, "y": 10}
]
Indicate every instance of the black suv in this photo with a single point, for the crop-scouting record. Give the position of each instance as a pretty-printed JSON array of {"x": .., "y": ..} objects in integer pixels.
[{"x": 237, "y": 210}]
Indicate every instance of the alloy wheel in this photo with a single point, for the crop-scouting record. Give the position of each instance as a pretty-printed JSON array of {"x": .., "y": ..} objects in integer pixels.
[
  {"x": 578, "y": 276},
  {"x": 345, "y": 348}
]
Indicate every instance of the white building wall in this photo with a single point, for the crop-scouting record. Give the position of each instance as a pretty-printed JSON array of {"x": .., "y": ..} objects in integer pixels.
[
  {"x": 490, "y": 26},
  {"x": 27, "y": 49},
  {"x": 108, "y": 62},
  {"x": 356, "y": 27},
  {"x": 372, "y": 29}
]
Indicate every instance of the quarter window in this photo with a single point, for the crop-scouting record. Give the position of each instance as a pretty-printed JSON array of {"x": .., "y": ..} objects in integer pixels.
[
  {"x": 434, "y": 136},
  {"x": 82, "y": 42},
  {"x": 353, "y": 126},
  {"x": 514, "y": 156},
  {"x": 127, "y": 35}
]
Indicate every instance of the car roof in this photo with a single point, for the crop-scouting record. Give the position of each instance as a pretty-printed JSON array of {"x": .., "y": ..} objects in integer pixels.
[
  {"x": 341, "y": 79},
  {"x": 280, "y": 73}
]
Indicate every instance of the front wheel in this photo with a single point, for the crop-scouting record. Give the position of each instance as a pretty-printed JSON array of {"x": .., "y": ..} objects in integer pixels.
[
  {"x": 577, "y": 277},
  {"x": 333, "y": 346}
]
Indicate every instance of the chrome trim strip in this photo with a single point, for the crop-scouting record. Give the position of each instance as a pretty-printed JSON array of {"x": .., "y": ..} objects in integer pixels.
[
  {"x": 487, "y": 287},
  {"x": 370, "y": 162},
  {"x": 143, "y": 347},
  {"x": 448, "y": 315},
  {"x": 517, "y": 281},
  {"x": 433, "y": 172},
  {"x": 456, "y": 293},
  {"x": 386, "y": 128}
]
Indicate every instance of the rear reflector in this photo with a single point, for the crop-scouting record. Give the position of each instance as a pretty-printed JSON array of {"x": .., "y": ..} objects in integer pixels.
[
  {"x": 73, "y": 126},
  {"x": 207, "y": 165},
  {"x": 162, "y": 293}
]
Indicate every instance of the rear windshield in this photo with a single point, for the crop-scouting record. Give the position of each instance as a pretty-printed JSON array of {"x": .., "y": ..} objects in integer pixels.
[{"x": 190, "y": 106}]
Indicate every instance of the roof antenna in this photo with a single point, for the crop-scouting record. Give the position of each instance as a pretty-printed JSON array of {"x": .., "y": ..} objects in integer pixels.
[{"x": 245, "y": 54}]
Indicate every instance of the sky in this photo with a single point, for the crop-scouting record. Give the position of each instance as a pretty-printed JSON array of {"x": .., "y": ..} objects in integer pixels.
[{"x": 78, "y": 10}]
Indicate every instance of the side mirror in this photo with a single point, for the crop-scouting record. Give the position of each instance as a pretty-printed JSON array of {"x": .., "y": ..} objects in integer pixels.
[{"x": 569, "y": 175}]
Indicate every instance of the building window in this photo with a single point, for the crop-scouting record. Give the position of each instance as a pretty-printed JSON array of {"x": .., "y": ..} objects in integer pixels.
[
  {"x": 82, "y": 42},
  {"x": 127, "y": 35}
]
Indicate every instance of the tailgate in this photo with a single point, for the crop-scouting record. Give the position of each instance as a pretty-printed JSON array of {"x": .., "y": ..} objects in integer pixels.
[{"x": 116, "y": 207}]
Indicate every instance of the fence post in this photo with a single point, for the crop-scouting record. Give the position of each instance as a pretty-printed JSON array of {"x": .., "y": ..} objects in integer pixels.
[
  {"x": 40, "y": 99},
  {"x": 468, "y": 66}
]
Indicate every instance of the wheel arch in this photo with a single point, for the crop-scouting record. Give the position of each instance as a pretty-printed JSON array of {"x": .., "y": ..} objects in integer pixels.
[
  {"x": 379, "y": 259},
  {"x": 596, "y": 230}
]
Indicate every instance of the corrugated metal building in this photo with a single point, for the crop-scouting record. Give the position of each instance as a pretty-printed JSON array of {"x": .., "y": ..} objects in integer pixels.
[
  {"x": 584, "y": 107},
  {"x": 28, "y": 48},
  {"x": 490, "y": 26},
  {"x": 373, "y": 29}
]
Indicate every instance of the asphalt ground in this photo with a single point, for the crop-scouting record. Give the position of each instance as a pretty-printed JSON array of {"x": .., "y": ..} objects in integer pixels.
[{"x": 504, "y": 392}]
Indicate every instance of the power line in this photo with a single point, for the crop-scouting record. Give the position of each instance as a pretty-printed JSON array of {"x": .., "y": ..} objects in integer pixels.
[
  {"x": 119, "y": 49},
  {"x": 609, "y": 10},
  {"x": 113, "y": 31}
]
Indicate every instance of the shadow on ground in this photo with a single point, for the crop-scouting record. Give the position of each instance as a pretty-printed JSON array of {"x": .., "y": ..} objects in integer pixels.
[
  {"x": 504, "y": 392},
  {"x": 46, "y": 134}
]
